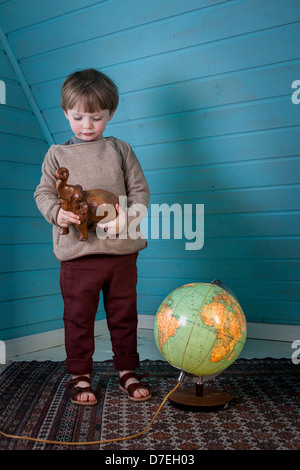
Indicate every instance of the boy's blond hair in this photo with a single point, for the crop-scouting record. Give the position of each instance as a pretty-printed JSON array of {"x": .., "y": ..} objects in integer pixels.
[{"x": 94, "y": 90}]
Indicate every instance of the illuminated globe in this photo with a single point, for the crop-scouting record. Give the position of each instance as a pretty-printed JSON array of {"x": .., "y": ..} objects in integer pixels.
[{"x": 200, "y": 328}]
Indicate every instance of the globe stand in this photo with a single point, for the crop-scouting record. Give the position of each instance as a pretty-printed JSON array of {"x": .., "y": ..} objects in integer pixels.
[{"x": 198, "y": 397}]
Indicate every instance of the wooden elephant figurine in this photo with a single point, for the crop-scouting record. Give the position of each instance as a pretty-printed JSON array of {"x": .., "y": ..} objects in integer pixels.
[{"x": 84, "y": 204}]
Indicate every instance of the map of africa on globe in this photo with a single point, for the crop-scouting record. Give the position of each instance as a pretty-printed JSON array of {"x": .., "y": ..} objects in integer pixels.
[{"x": 200, "y": 328}]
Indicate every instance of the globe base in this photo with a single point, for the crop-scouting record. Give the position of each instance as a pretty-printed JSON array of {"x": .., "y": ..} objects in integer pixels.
[{"x": 204, "y": 399}]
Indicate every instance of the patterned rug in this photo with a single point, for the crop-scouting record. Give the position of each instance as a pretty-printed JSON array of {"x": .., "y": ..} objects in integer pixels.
[{"x": 264, "y": 412}]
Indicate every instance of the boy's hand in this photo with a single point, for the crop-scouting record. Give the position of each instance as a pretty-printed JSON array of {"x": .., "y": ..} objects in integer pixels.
[
  {"x": 66, "y": 218},
  {"x": 116, "y": 226}
]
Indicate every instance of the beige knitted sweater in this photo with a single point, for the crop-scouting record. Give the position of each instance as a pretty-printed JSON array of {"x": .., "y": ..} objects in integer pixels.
[{"x": 108, "y": 164}]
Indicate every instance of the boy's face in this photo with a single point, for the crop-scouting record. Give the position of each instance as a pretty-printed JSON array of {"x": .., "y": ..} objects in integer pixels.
[{"x": 88, "y": 126}]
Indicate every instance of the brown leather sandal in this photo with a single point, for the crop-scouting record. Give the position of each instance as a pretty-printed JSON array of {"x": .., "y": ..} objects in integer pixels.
[
  {"x": 133, "y": 387},
  {"x": 76, "y": 390}
]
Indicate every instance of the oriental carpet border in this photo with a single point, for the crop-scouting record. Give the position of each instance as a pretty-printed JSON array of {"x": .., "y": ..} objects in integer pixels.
[{"x": 263, "y": 414}]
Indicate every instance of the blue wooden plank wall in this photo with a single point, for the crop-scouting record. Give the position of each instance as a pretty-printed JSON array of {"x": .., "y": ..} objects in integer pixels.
[
  {"x": 24, "y": 294},
  {"x": 205, "y": 101}
]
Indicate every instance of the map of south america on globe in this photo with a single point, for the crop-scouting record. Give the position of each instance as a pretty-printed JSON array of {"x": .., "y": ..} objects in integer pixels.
[{"x": 200, "y": 328}]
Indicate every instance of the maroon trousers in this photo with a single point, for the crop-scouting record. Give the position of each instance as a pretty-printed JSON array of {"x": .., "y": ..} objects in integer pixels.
[{"x": 81, "y": 281}]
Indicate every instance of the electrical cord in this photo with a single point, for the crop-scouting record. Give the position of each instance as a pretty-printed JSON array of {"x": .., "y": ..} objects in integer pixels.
[{"x": 46, "y": 441}]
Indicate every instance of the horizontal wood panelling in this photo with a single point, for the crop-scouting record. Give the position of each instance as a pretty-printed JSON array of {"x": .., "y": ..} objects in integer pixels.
[
  {"x": 25, "y": 176},
  {"x": 247, "y": 117},
  {"x": 239, "y": 175},
  {"x": 267, "y": 294},
  {"x": 216, "y": 89},
  {"x": 193, "y": 269},
  {"x": 244, "y": 200},
  {"x": 29, "y": 309},
  {"x": 29, "y": 256},
  {"x": 269, "y": 311},
  {"x": 133, "y": 37},
  {"x": 19, "y": 203},
  {"x": 24, "y": 316},
  {"x": 25, "y": 230},
  {"x": 31, "y": 230},
  {"x": 238, "y": 225},
  {"x": 15, "y": 148},
  {"x": 239, "y": 200},
  {"x": 195, "y": 94},
  {"x": 263, "y": 311},
  {"x": 227, "y": 248},
  {"x": 40, "y": 256},
  {"x": 208, "y": 92},
  {"x": 46, "y": 281},
  {"x": 15, "y": 96},
  {"x": 22, "y": 148},
  {"x": 143, "y": 72},
  {"x": 194, "y": 179},
  {"x": 32, "y": 329},
  {"x": 20, "y": 285},
  {"x": 19, "y": 122},
  {"x": 30, "y": 316},
  {"x": 272, "y": 143},
  {"x": 100, "y": 20},
  {"x": 267, "y": 290},
  {"x": 31, "y": 12},
  {"x": 205, "y": 101},
  {"x": 50, "y": 12}
]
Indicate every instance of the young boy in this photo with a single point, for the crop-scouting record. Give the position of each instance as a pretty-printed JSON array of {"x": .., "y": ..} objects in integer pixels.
[{"x": 89, "y": 100}]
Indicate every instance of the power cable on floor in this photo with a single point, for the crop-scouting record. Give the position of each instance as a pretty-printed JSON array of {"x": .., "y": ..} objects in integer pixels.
[{"x": 116, "y": 439}]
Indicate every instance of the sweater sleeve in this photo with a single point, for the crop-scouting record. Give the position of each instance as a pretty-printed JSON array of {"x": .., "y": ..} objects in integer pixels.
[
  {"x": 45, "y": 194},
  {"x": 137, "y": 190},
  {"x": 136, "y": 185}
]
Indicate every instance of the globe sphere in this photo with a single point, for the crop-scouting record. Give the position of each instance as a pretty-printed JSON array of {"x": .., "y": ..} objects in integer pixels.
[{"x": 200, "y": 328}]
